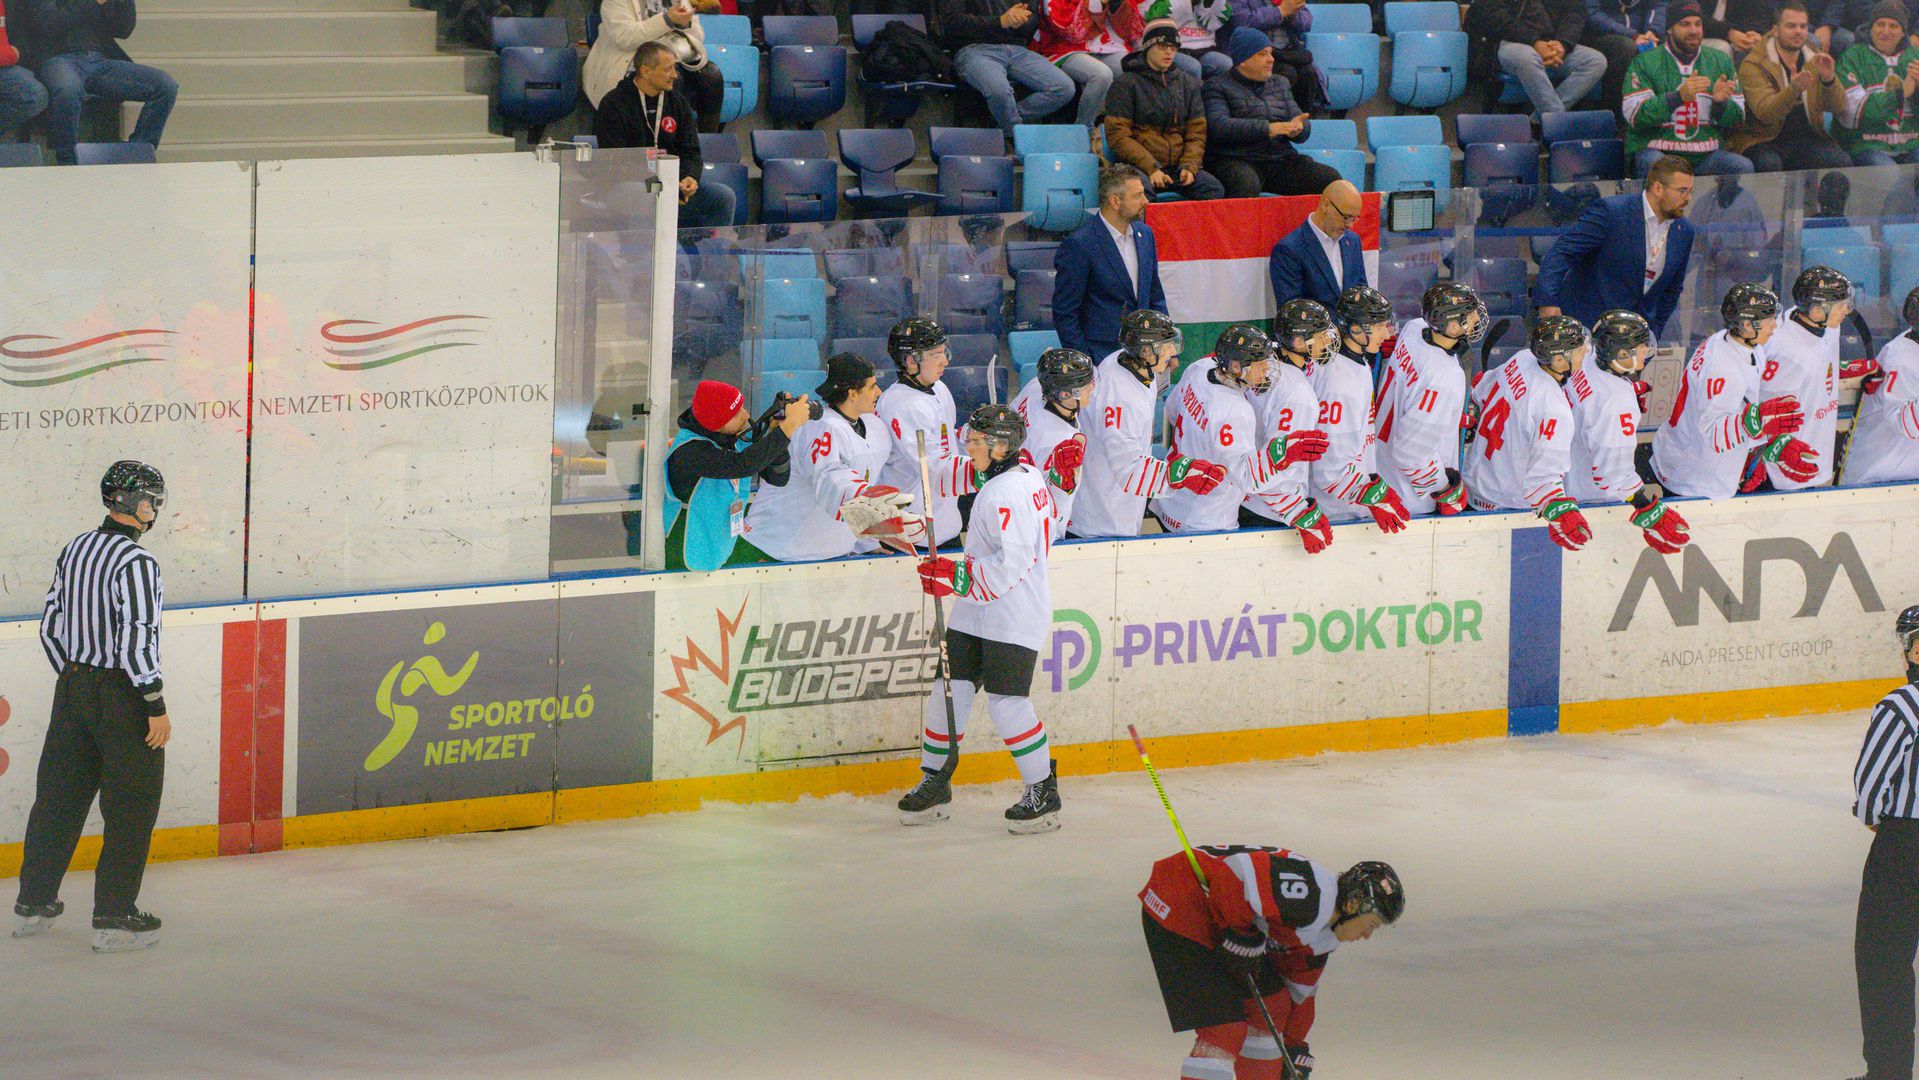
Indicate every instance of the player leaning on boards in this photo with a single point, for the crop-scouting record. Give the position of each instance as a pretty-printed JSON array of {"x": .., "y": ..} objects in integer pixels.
[
  {"x": 1720, "y": 414},
  {"x": 109, "y": 730},
  {"x": 1003, "y": 610},
  {"x": 1287, "y": 410},
  {"x": 1802, "y": 361},
  {"x": 1346, "y": 477},
  {"x": 1607, "y": 399},
  {"x": 1520, "y": 451},
  {"x": 1422, "y": 400},
  {"x": 1886, "y": 937},
  {"x": 1049, "y": 405},
  {"x": 1885, "y": 438},
  {"x": 919, "y": 402},
  {"x": 1121, "y": 472},
  {"x": 1272, "y": 914}
]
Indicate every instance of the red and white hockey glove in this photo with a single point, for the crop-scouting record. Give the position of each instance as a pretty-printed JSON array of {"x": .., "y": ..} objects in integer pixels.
[
  {"x": 1388, "y": 512},
  {"x": 1664, "y": 529},
  {"x": 1315, "y": 532},
  {"x": 1642, "y": 390},
  {"x": 1193, "y": 474},
  {"x": 1289, "y": 450},
  {"x": 879, "y": 512},
  {"x": 1564, "y": 523},
  {"x": 1865, "y": 368},
  {"x": 9, "y": 55},
  {"x": 1796, "y": 459},
  {"x": 941, "y": 576},
  {"x": 1772, "y": 418},
  {"x": 1451, "y": 499},
  {"x": 1062, "y": 467}
]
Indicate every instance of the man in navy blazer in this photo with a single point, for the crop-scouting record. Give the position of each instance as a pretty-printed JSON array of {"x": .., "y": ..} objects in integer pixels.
[
  {"x": 1302, "y": 261},
  {"x": 1627, "y": 251},
  {"x": 1107, "y": 267}
]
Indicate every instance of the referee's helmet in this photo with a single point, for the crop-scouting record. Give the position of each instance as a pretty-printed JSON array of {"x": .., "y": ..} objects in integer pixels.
[{"x": 127, "y": 483}]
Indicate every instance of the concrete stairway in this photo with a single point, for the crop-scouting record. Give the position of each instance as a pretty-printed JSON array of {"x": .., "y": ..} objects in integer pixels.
[{"x": 268, "y": 79}]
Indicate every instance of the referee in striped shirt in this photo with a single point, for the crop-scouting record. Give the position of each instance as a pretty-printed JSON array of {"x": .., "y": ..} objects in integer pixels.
[
  {"x": 1887, "y": 934},
  {"x": 101, "y": 630}
]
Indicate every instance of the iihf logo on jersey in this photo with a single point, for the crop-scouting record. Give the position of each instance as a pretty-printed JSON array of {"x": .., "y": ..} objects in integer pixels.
[{"x": 1075, "y": 650}]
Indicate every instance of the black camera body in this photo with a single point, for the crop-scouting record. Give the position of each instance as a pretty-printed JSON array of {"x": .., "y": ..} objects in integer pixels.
[{"x": 776, "y": 412}]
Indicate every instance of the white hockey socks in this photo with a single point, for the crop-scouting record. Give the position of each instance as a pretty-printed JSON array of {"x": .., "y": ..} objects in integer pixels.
[
  {"x": 933, "y": 745},
  {"x": 1023, "y": 733}
]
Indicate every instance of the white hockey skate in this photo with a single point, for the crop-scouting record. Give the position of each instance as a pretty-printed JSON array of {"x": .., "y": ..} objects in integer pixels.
[
  {"x": 125, "y": 933},
  {"x": 36, "y": 918}
]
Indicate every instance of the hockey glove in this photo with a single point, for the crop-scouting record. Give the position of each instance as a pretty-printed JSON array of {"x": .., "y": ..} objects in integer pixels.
[
  {"x": 940, "y": 576},
  {"x": 1451, "y": 499},
  {"x": 1564, "y": 523},
  {"x": 1192, "y": 474},
  {"x": 1289, "y": 450},
  {"x": 1772, "y": 418},
  {"x": 1315, "y": 532},
  {"x": 1062, "y": 468},
  {"x": 1642, "y": 390},
  {"x": 878, "y": 511},
  {"x": 1302, "y": 1060},
  {"x": 1866, "y": 368},
  {"x": 1797, "y": 460},
  {"x": 1388, "y": 512},
  {"x": 1664, "y": 529},
  {"x": 1242, "y": 949}
]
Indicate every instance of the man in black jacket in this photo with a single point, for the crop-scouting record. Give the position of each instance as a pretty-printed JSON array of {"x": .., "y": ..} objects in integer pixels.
[
  {"x": 988, "y": 40},
  {"x": 1252, "y": 123},
  {"x": 645, "y": 110},
  {"x": 1538, "y": 44},
  {"x": 74, "y": 46}
]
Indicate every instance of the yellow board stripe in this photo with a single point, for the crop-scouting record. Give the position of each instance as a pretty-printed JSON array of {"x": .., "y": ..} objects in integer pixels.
[
  {"x": 187, "y": 842},
  {"x": 1720, "y": 707}
]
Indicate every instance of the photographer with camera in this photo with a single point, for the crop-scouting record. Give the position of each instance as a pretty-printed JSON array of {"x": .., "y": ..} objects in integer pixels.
[{"x": 708, "y": 480}]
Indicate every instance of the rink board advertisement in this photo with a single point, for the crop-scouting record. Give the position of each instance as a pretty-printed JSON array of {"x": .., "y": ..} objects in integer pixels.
[
  {"x": 403, "y": 422},
  {"x": 124, "y": 339}
]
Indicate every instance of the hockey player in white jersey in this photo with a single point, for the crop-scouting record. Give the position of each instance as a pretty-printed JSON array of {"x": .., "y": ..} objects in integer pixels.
[
  {"x": 1802, "y": 360},
  {"x": 1213, "y": 418},
  {"x": 1288, "y": 413},
  {"x": 1346, "y": 478},
  {"x": 919, "y": 402},
  {"x": 1885, "y": 437},
  {"x": 1720, "y": 414},
  {"x": 1050, "y": 405},
  {"x": 1522, "y": 446},
  {"x": 834, "y": 505},
  {"x": 1605, "y": 397},
  {"x": 1422, "y": 400},
  {"x": 1002, "y": 611},
  {"x": 1121, "y": 472}
]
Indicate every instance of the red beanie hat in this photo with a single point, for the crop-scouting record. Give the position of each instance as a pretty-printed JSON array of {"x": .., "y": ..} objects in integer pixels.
[{"x": 716, "y": 403}]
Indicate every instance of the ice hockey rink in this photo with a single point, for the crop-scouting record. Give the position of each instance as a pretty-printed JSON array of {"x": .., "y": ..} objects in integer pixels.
[{"x": 1670, "y": 903}]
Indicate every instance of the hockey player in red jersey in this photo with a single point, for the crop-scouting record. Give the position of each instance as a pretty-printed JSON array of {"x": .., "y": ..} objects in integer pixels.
[{"x": 1267, "y": 912}]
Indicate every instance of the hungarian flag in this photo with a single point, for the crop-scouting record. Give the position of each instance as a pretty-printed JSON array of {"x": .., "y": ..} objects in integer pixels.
[{"x": 1213, "y": 259}]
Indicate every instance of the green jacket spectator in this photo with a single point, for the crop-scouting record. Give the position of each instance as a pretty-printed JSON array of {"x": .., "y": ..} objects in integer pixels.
[
  {"x": 1683, "y": 99},
  {"x": 1877, "y": 127}
]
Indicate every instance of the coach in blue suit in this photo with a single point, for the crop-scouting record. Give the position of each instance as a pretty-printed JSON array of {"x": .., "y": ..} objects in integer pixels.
[
  {"x": 1627, "y": 251},
  {"x": 1096, "y": 283},
  {"x": 1302, "y": 261}
]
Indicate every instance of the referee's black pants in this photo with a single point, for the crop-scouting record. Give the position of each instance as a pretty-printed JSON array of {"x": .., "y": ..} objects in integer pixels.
[
  {"x": 1884, "y": 944},
  {"x": 96, "y": 744}
]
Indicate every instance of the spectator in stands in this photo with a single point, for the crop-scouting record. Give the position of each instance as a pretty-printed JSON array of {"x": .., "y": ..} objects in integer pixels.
[
  {"x": 1322, "y": 257},
  {"x": 21, "y": 96},
  {"x": 1682, "y": 99},
  {"x": 1156, "y": 122},
  {"x": 1842, "y": 24},
  {"x": 1107, "y": 267},
  {"x": 1626, "y": 251},
  {"x": 1286, "y": 22},
  {"x": 1734, "y": 27},
  {"x": 1790, "y": 87},
  {"x": 1534, "y": 38},
  {"x": 645, "y": 110},
  {"x": 1088, "y": 39},
  {"x": 1880, "y": 76},
  {"x": 1202, "y": 25},
  {"x": 709, "y": 481},
  {"x": 1619, "y": 29},
  {"x": 988, "y": 41},
  {"x": 74, "y": 46},
  {"x": 1252, "y": 123},
  {"x": 625, "y": 25}
]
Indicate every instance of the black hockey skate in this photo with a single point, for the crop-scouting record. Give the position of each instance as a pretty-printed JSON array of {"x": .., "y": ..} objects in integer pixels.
[
  {"x": 1037, "y": 811},
  {"x": 35, "y": 918},
  {"x": 125, "y": 933},
  {"x": 922, "y": 805}
]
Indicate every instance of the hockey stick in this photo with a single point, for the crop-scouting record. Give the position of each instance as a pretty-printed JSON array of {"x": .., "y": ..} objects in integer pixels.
[
  {"x": 1487, "y": 346},
  {"x": 951, "y": 764},
  {"x": 1858, "y": 324},
  {"x": 1252, "y": 984}
]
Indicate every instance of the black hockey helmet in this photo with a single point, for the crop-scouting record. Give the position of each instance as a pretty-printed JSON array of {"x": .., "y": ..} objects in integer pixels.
[
  {"x": 1746, "y": 305},
  {"x": 127, "y": 483},
  {"x": 1556, "y": 336},
  {"x": 1361, "y": 307},
  {"x": 1818, "y": 285},
  {"x": 1907, "y": 627},
  {"x": 1617, "y": 335},
  {"x": 1142, "y": 332},
  {"x": 1240, "y": 346},
  {"x": 1371, "y": 887},
  {"x": 1910, "y": 309},
  {"x": 1449, "y": 302},
  {"x": 1002, "y": 426},
  {"x": 845, "y": 373},
  {"x": 912, "y": 336},
  {"x": 1062, "y": 373},
  {"x": 1303, "y": 318}
]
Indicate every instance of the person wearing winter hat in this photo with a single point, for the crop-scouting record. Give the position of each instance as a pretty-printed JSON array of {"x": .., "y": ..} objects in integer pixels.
[
  {"x": 1156, "y": 122},
  {"x": 709, "y": 481},
  {"x": 1252, "y": 124},
  {"x": 1880, "y": 76},
  {"x": 1683, "y": 99},
  {"x": 21, "y": 96}
]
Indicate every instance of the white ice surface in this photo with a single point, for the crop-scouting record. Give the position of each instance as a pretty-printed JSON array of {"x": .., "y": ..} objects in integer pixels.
[{"x": 1668, "y": 904}]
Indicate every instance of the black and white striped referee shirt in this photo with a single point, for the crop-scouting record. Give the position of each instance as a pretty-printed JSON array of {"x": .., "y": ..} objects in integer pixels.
[
  {"x": 104, "y": 606},
  {"x": 1884, "y": 777}
]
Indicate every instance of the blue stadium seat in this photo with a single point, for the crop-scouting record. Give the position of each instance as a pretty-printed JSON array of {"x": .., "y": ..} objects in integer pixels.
[
  {"x": 1729, "y": 267},
  {"x": 592, "y": 26},
  {"x": 113, "y": 153},
  {"x": 1507, "y": 175},
  {"x": 1903, "y": 241},
  {"x": 792, "y": 382},
  {"x": 965, "y": 141},
  {"x": 1569, "y": 161},
  {"x": 976, "y": 185},
  {"x": 807, "y": 83},
  {"x": 777, "y": 263},
  {"x": 1030, "y": 139},
  {"x": 1342, "y": 19},
  {"x": 930, "y": 260},
  {"x": 1469, "y": 128},
  {"x": 783, "y": 354},
  {"x": 1404, "y": 280},
  {"x": 972, "y": 304},
  {"x": 706, "y": 320},
  {"x": 730, "y": 174},
  {"x": 788, "y": 30},
  {"x": 1512, "y": 92},
  {"x": 510, "y": 33},
  {"x": 1033, "y": 300},
  {"x": 1331, "y": 135},
  {"x": 721, "y": 146},
  {"x": 891, "y": 101},
  {"x": 1501, "y": 283},
  {"x": 1577, "y": 125},
  {"x": 699, "y": 266},
  {"x": 1834, "y": 232},
  {"x": 1059, "y": 190},
  {"x": 1859, "y": 262},
  {"x": 1025, "y": 347},
  {"x": 1423, "y": 130},
  {"x": 794, "y": 190},
  {"x": 740, "y": 76},
  {"x": 1350, "y": 64},
  {"x": 1350, "y": 163},
  {"x": 538, "y": 85},
  {"x": 1411, "y": 15},
  {"x": 1429, "y": 67},
  {"x": 842, "y": 263},
  {"x": 727, "y": 29},
  {"x": 876, "y": 156},
  {"x": 872, "y": 348},
  {"x": 793, "y": 308},
  {"x": 1030, "y": 255},
  {"x": 15, "y": 155},
  {"x": 869, "y": 306},
  {"x": 770, "y": 143},
  {"x": 1413, "y": 168},
  {"x": 969, "y": 383}
]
